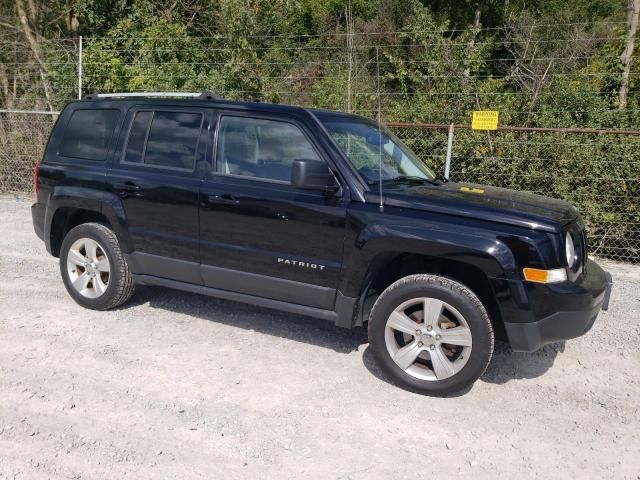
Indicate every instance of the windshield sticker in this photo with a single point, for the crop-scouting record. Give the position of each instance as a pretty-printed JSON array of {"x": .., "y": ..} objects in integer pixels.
[{"x": 471, "y": 190}]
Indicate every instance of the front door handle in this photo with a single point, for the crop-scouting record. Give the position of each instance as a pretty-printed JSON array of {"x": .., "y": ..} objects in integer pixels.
[{"x": 223, "y": 200}]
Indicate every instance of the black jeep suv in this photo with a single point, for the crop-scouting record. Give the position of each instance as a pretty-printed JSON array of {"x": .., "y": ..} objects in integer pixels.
[{"x": 314, "y": 212}]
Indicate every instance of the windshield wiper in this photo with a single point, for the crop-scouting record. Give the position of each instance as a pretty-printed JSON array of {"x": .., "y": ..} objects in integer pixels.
[{"x": 412, "y": 178}]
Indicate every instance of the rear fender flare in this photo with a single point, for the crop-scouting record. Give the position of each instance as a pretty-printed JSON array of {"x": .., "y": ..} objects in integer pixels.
[
  {"x": 69, "y": 197},
  {"x": 113, "y": 209},
  {"x": 109, "y": 205}
]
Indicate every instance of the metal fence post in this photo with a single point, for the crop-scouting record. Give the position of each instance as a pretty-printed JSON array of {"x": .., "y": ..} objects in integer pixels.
[
  {"x": 80, "y": 68},
  {"x": 447, "y": 165}
]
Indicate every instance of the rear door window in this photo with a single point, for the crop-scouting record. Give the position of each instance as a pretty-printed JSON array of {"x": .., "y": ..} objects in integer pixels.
[
  {"x": 89, "y": 134},
  {"x": 164, "y": 139}
]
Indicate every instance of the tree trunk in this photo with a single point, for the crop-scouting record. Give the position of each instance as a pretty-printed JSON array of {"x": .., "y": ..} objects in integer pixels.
[
  {"x": 633, "y": 10},
  {"x": 476, "y": 25},
  {"x": 33, "y": 45},
  {"x": 4, "y": 83}
]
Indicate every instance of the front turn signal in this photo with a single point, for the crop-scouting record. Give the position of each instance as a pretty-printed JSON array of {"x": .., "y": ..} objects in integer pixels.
[{"x": 544, "y": 276}]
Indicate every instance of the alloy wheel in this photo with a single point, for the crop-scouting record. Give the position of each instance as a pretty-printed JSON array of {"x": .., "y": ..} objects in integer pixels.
[
  {"x": 88, "y": 268},
  {"x": 428, "y": 339}
]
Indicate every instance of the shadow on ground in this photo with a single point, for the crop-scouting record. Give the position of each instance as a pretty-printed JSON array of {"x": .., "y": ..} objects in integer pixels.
[
  {"x": 298, "y": 328},
  {"x": 505, "y": 365},
  {"x": 508, "y": 365}
]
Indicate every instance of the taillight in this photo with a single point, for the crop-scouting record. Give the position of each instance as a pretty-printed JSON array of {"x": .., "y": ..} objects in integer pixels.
[{"x": 36, "y": 171}]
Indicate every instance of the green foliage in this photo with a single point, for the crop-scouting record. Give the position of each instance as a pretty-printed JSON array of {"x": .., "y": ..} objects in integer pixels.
[{"x": 548, "y": 63}]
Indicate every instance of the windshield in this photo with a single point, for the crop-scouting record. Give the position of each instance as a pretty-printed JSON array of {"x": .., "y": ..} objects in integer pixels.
[{"x": 361, "y": 140}]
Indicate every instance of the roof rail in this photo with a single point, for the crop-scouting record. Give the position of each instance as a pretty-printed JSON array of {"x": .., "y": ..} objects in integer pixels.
[{"x": 200, "y": 95}]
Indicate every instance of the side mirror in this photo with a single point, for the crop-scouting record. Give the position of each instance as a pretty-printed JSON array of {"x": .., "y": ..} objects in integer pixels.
[
  {"x": 374, "y": 139},
  {"x": 312, "y": 175}
]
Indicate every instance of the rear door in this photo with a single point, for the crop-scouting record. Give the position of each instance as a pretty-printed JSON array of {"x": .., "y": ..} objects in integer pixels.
[
  {"x": 156, "y": 178},
  {"x": 258, "y": 234}
]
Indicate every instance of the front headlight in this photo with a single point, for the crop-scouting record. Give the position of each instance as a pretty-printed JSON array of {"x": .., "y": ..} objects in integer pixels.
[{"x": 570, "y": 250}]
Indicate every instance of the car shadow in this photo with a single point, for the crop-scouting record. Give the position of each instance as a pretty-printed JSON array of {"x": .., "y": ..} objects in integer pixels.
[
  {"x": 508, "y": 365},
  {"x": 290, "y": 326},
  {"x": 505, "y": 365}
]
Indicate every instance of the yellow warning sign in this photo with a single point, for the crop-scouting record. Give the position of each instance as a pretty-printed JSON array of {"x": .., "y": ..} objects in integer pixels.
[{"x": 484, "y": 120}]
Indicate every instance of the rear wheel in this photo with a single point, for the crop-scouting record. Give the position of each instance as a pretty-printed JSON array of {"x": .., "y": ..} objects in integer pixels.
[
  {"x": 431, "y": 334},
  {"x": 94, "y": 271}
]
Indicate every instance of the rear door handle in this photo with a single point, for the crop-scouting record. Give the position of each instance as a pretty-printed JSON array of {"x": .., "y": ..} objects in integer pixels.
[
  {"x": 127, "y": 188},
  {"x": 223, "y": 200}
]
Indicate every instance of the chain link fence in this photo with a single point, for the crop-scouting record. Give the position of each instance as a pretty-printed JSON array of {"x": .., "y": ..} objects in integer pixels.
[
  {"x": 598, "y": 173},
  {"x": 23, "y": 136},
  {"x": 409, "y": 77}
]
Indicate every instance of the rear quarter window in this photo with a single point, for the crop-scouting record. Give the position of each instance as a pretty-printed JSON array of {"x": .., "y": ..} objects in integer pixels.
[{"x": 89, "y": 134}]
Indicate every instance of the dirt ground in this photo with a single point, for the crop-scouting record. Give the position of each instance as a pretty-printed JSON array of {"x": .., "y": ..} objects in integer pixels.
[{"x": 175, "y": 385}]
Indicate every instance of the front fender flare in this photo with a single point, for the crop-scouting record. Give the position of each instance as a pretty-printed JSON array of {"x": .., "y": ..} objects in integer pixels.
[{"x": 481, "y": 248}]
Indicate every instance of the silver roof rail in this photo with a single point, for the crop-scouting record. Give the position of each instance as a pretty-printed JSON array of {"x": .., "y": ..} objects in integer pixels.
[{"x": 202, "y": 95}]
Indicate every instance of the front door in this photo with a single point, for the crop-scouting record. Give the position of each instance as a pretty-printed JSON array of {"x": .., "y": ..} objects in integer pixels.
[
  {"x": 258, "y": 234},
  {"x": 157, "y": 178}
]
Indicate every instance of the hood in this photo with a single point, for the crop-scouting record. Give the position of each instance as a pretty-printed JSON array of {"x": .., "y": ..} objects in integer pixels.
[{"x": 483, "y": 202}]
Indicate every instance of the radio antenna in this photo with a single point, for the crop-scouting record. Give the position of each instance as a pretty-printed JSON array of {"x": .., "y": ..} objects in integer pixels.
[{"x": 379, "y": 128}]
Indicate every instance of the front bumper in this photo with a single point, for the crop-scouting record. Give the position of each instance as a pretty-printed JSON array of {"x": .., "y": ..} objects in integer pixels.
[{"x": 559, "y": 311}]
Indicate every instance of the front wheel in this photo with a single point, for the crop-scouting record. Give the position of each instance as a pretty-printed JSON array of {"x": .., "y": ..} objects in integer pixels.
[
  {"x": 431, "y": 334},
  {"x": 93, "y": 267}
]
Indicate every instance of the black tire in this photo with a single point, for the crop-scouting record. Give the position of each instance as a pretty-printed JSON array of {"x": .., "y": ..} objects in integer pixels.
[
  {"x": 456, "y": 295},
  {"x": 120, "y": 285}
]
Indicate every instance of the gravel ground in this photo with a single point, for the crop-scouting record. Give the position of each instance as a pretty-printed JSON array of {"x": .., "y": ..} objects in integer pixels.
[{"x": 175, "y": 385}]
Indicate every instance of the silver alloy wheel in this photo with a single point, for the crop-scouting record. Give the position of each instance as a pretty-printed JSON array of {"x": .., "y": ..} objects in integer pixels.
[
  {"x": 428, "y": 339},
  {"x": 88, "y": 268}
]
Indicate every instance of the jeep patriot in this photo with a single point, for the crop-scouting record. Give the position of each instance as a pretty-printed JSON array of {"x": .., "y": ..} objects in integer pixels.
[{"x": 314, "y": 212}]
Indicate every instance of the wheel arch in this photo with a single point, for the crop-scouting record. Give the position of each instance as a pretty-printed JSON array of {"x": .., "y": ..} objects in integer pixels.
[
  {"x": 392, "y": 266},
  {"x": 69, "y": 207},
  {"x": 468, "y": 254},
  {"x": 66, "y": 218}
]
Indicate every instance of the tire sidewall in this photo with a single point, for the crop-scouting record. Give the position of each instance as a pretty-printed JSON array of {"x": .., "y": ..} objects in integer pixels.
[
  {"x": 474, "y": 313},
  {"x": 94, "y": 232}
]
